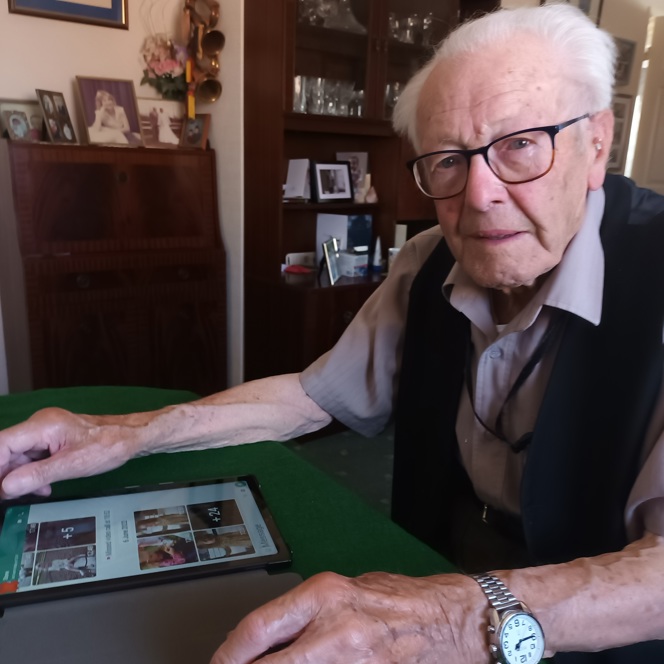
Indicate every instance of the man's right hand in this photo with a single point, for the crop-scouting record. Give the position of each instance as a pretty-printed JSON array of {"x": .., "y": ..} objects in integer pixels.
[{"x": 55, "y": 445}]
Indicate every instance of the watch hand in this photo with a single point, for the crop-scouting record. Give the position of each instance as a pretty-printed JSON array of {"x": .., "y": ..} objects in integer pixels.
[{"x": 518, "y": 645}]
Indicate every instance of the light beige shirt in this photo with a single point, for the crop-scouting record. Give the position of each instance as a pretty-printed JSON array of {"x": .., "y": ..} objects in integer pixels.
[{"x": 356, "y": 381}]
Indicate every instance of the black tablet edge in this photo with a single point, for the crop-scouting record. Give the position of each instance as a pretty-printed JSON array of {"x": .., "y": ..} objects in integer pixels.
[{"x": 273, "y": 563}]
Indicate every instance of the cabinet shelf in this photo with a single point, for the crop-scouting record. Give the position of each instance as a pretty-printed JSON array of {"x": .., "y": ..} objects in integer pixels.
[
  {"x": 330, "y": 41},
  {"x": 335, "y": 208},
  {"x": 332, "y": 124}
]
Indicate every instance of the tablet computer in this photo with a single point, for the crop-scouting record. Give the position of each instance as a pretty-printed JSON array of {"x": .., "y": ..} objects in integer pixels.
[{"x": 53, "y": 548}]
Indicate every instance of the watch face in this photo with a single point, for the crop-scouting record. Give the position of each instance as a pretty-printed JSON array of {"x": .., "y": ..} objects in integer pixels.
[{"x": 521, "y": 639}]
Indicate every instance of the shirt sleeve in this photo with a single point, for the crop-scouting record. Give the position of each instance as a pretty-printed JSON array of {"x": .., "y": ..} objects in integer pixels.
[
  {"x": 356, "y": 380},
  {"x": 645, "y": 506}
]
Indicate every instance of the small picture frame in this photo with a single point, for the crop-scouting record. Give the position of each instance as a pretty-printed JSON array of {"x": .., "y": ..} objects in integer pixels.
[
  {"x": 331, "y": 256},
  {"x": 13, "y": 113},
  {"x": 622, "y": 111},
  {"x": 359, "y": 168},
  {"x": 331, "y": 182},
  {"x": 195, "y": 131},
  {"x": 110, "y": 111},
  {"x": 626, "y": 51},
  {"x": 58, "y": 124},
  {"x": 161, "y": 122}
]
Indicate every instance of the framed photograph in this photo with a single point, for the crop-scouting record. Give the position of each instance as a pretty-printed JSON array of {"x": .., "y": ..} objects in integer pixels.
[
  {"x": 331, "y": 181},
  {"x": 195, "y": 131},
  {"x": 331, "y": 254},
  {"x": 626, "y": 51},
  {"x": 359, "y": 167},
  {"x": 109, "y": 13},
  {"x": 110, "y": 111},
  {"x": 593, "y": 8},
  {"x": 21, "y": 120},
  {"x": 622, "y": 110},
  {"x": 161, "y": 122},
  {"x": 59, "y": 127}
]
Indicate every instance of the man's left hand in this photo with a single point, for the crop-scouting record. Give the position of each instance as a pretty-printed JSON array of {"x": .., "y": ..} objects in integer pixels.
[{"x": 374, "y": 618}]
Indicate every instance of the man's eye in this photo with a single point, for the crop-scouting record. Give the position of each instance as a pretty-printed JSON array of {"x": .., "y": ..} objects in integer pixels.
[
  {"x": 518, "y": 143},
  {"x": 448, "y": 161}
]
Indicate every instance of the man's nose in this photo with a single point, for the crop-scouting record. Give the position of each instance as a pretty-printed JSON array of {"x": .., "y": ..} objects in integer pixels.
[{"x": 483, "y": 186}]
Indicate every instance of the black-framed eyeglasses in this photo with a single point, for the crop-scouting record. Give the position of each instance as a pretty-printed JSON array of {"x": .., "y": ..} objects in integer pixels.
[{"x": 522, "y": 156}]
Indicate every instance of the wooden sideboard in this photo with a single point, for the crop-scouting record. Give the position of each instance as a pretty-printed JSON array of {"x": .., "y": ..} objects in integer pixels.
[{"x": 113, "y": 270}]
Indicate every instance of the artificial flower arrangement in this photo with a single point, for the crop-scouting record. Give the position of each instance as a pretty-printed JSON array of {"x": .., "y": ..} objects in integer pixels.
[{"x": 165, "y": 63}]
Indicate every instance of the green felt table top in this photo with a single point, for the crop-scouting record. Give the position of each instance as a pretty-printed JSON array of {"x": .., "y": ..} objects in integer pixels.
[{"x": 327, "y": 526}]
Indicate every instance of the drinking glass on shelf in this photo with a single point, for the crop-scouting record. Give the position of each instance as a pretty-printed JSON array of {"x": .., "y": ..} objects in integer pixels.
[
  {"x": 315, "y": 94},
  {"x": 427, "y": 29},
  {"x": 331, "y": 96},
  {"x": 307, "y": 12},
  {"x": 325, "y": 9},
  {"x": 299, "y": 94},
  {"x": 394, "y": 25},
  {"x": 356, "y": 104},
  {"x": 343, "y": 19},
  {"x": 406, "y": 32},
  {"x": 392, "y": 93},
  {"x": 345, "y": 96}
]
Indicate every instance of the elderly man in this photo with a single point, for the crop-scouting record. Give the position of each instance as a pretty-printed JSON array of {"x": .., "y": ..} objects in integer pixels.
[{"x": 527, "y": 351}]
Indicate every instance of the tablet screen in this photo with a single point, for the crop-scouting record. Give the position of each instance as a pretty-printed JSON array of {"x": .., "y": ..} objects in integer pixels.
[{"x": 65, "y": 547}]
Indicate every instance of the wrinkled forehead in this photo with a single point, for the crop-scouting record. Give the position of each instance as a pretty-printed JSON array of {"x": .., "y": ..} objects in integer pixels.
[{"x": 506, "y": 84}]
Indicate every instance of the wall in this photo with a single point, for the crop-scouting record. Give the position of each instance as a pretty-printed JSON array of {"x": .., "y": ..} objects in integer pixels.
[{"x": 48, "y": 54}]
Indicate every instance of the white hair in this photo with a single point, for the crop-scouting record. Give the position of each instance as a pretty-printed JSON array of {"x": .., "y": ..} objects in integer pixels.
[{"x": 587, "y": 55}]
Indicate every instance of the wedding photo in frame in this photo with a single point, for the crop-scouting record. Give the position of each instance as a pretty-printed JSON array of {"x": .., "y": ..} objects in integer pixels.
[
  {"x": 331, "y": 254},
  {"x": 110, "y": 111},
  {"x": 331, "y": 181},
  {"x": 161, "y": 122},
  {"x": 110, "y": 13},
  {"x": 58, "y": 124},
  {"x": 21, "y": 120}
]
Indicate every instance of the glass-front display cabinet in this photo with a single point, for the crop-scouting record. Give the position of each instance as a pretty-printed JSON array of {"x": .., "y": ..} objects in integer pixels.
[
  {"x": 353, "y": 57},
  {"x": 321, "y": 80}
]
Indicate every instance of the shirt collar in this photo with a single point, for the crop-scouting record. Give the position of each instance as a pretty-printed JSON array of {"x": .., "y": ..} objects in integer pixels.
[{"x": 582, "y": 262}]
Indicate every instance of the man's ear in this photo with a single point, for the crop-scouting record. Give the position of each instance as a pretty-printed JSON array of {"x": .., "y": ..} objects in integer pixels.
[{"x": 601, "y": 126}]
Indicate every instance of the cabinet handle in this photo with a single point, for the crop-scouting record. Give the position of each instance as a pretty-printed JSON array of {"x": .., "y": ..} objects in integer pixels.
[
  {"x": 83, "y": 281},
  {"x": 122, "y": 177}
]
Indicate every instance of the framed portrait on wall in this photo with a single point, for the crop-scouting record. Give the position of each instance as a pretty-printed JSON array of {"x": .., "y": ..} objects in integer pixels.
[
  {"x": 626, "y": 51},
  {"x": 108, "y": 13},
  {"x": 110, "y": 111},
  {"x": 622, "y": 110},
  {"x": 592, "y": 8}
]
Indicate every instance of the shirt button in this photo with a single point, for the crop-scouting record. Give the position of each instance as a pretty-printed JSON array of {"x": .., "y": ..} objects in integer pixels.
[{"x": 495, "y": 353}]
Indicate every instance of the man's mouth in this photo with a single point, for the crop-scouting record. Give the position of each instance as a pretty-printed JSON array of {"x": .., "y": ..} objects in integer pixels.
[{"x": 496, "y": 235}]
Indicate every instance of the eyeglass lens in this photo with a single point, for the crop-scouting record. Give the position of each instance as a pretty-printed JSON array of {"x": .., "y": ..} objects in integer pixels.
[{"x": 514, "y": 159}]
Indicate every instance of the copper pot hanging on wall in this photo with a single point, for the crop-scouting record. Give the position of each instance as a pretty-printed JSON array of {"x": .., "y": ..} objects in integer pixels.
[{"x": 204, "y": 46}]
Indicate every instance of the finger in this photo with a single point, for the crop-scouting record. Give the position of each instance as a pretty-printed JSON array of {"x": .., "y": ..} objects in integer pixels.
[
  {"x": 278, "y": 622},
  {"x": 30, "y": 478}
]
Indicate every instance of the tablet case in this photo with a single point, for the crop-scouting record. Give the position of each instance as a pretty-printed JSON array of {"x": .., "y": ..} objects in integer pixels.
[{"x": 170, "y": 623}]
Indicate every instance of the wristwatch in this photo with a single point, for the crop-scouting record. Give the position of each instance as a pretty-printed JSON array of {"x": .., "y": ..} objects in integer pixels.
[{"x": 515, "y": 636}]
